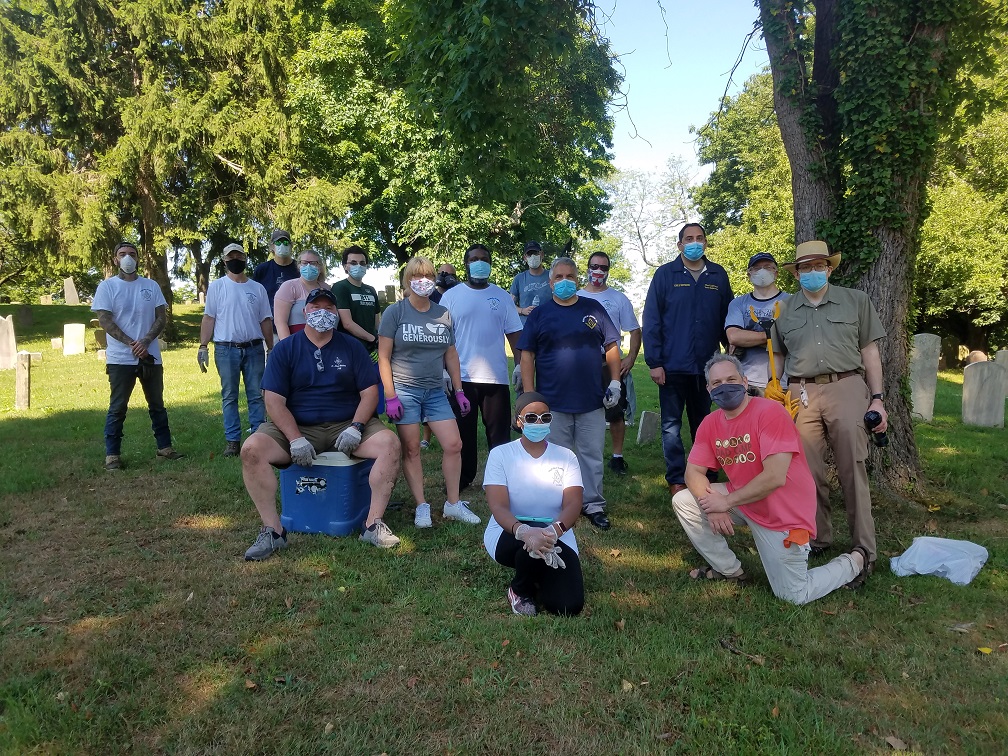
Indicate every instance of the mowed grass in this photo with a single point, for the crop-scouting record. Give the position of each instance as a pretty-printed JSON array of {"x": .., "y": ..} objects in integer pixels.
[{"x": 129, "y": 621}]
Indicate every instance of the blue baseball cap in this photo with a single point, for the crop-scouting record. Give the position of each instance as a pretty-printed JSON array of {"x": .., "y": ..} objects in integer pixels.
[{"x": 761, "y": 257}]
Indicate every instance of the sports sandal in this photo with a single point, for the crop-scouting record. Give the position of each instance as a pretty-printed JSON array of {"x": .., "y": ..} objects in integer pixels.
[
  {"x": 706, "y": 572},
  {"x": 866, "y": 571}
]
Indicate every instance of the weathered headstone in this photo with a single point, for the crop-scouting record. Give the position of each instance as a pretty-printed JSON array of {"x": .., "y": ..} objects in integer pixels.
[
  {"x": 382, "y": 300},
  {"x": 45, "y": 299},
  {"x": 56, "y": 343},
  {"x": 101, "y": 338},
  {"x": 8, "y": 344},
  {"x": 1002, "y": 359},
  {"x": 73, "y": 338},
  {"x": 163, "y": 344},
  {"x": 975, "y": 356},
  {"x": 650, "y": 424},
  {"x": 101, "y": 355},
  {"x": 983, "y": 399},
  {"x": 36, "y": 358},
  {"x": 390, "y": 294},
  {"x": 924, "y": 374},
  {"x": 95, "y": 323},
  {"x": 949, "y": 352},
  {"x": 24, "y": 318},
  {"x": 22, "y": 382},
  {"x": 202, "y": 298},
  {"x": 70, "y": 292}
]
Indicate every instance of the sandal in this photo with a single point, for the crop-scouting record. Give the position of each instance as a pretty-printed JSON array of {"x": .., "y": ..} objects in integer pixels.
[
  {"x": 866, "y": 571},
  {"x": 706, "y": 572}
]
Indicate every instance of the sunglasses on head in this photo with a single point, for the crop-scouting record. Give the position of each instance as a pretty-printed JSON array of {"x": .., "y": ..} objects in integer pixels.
[{"x": 532, "y": 417}]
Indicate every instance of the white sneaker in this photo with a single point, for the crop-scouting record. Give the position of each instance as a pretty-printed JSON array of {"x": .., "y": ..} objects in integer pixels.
[
  {"x": 380, "y": 535},
  {"x": 460, "y": 511},
  {"x": 422, "y": 518}
]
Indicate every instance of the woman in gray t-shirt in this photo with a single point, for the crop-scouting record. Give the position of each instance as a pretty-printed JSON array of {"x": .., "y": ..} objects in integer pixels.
[{"x": 416, "y": 344}]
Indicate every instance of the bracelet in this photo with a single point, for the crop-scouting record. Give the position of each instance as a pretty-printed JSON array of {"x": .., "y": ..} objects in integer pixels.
[
  {"x": 877, "y": 396},
  {"x": 559, "y": 526}
]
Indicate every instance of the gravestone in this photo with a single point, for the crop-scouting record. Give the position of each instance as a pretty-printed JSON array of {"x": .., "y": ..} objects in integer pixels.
[
  {"x": 73, "y": 339},
  {"x": 983, "y": 399},
  {"x": 382, "y": 300},
  {"x": 8, "y": 344},
  {"x": 101, "y": 355},
  {"x": 924, "y": 374},
  {"x": 975, "y": 356},
  {"x": 24, "y": 318},
  {"x": 650, "y": 424},
  {"x": 70, "y": 292},
  {"x": 22, "y": 382},
  {"x": 56, "y": 343},
  {"x": 390, "y": 294},
  {"x": 36, "y": 358},
  {"x": 1002, "y": 359},
  {"x": 202, "y": 298},
  {"x": 949, "y": 352},
  {"x": 101, "y": 338},
  {"x": 163, "y": 344},
  {"x": 45, "y": 299}
]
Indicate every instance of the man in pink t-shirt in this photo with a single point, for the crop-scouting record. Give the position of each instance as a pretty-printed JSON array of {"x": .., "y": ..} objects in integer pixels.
[{"x": 769, "y": 488}]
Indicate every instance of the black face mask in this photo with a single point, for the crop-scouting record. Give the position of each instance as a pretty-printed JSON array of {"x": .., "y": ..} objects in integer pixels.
[
  {"x": 446, "y": 280},
  {"x": 235, "y": 266}
]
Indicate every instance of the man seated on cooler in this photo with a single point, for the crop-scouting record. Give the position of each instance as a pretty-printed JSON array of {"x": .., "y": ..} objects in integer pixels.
[
  {"x": 321, "y": 391},
  {"x": 770, "y": 489}
]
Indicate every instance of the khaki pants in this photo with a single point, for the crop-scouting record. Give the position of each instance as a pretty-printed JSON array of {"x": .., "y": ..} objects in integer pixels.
[{"x": 834, "y": 419}]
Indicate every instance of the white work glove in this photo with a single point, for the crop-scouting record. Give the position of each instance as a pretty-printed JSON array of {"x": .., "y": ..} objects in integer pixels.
[
  {"x": 348, "y": 441},
  {"x": 203, "y": 358},
  {"x": 536, "y": 540},
  {"x": 516, "y": 380},
  {"x": 302, "y": 452},
  {"x": 447, "y": 383},
  {"x": 552, "y": 558},
  {"x": 612, "y": 395}
]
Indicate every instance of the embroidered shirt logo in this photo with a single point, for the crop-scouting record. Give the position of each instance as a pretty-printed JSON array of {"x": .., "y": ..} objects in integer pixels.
[
  {"x": 557, "y": 473},
  {"x": 494, "y": 303},
  {"x": 590, "y": 321},
  {"x": 147, "y": 294}
]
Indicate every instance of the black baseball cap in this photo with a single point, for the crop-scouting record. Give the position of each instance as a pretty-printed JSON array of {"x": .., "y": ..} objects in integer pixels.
[
  {"x": 319, "y": 293},
  {"x": 761, "y": 257},
  {"x": 532, "y": 246},
  {"x": 279, "y": 234}
]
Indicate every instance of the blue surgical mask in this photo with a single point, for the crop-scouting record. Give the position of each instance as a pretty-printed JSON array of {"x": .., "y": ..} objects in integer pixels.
[
  {"x": 565, "y": 289},
  {"x": 479, "y": 270},
  {"x": 814, "y": 280},
  {"x": 535, "y": 431},
  {"x": 693, "y": 251},
  {"x": 309, "y": 272},
  {"x": 357, "y": 272}
]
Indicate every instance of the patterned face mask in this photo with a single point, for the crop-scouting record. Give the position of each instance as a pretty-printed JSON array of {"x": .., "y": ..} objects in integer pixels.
[{"x": 322, "y": 320}]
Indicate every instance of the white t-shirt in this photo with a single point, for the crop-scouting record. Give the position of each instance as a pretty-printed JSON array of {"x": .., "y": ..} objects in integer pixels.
[
  {"x": 535, "y": 486},
  {"x": 132, "y": 304},
  {"x": 481, "y": 317},
  {"x": 237, "y": 309},
  {"x": 619, "y": 308}
]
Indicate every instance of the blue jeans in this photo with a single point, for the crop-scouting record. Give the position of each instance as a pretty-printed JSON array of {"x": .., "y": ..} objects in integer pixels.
[
  {"x": 680, "y": 392},
  {"x": 234, "y": 363},
  {"x": 122, "y": 379}
]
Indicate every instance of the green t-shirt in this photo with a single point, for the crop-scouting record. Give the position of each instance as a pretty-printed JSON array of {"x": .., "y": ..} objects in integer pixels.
[{"x": 362, "y": 301}]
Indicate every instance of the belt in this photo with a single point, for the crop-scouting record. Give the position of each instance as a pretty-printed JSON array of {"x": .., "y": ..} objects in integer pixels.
[
  {"x": 824, "y": 378},
  {"x": 239, "y": 344}
]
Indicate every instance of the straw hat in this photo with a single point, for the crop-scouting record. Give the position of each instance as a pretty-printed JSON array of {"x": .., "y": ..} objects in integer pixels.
[{"x": 810, "y": 251}]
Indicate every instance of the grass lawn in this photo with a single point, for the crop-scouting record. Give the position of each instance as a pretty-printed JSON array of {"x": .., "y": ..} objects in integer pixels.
[{"x": 129, "y": 620}]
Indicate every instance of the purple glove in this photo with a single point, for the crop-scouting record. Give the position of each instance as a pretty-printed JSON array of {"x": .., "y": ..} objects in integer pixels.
[
  {"x": 463, "y": 403},
  {"x": 394, "y": 409}
]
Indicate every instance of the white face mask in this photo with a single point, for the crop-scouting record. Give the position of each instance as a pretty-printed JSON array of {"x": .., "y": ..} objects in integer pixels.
[
  {"x": 128, "y": 265},
  {"x": 534, "y": 261},
  {"x": 761, "y": 277}
]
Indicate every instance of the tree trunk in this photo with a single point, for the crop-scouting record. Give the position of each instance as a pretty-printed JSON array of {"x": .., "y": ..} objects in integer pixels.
[
  {"x": 157, "y": 262},
  {"x": 201, "y": 267}
]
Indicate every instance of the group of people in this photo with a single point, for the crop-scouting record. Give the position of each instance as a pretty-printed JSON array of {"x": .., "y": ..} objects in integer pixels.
[{"x": 321, "y": 362}]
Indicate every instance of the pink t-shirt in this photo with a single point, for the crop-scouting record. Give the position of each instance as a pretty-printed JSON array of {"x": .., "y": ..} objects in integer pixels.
[
  {"x": 296, "y": 291},
  {"x": 739, "y": 446}
]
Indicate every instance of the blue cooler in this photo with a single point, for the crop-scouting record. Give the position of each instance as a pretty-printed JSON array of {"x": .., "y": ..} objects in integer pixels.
[{"x": 332, "y": 496}]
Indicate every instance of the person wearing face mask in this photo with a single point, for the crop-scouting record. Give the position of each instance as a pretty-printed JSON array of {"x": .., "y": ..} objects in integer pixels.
[
  {"x": 560, "y": 348},
  {"x": 272, "y": 273},
  {"x": 358, "y": 303},
  {"x": 321, "y": 392},
  {"x": 416, "y": 344},
  {"x": 770, "y": 489},
  {"x": 684, "y": 315},
  {"x": 531, "y": 287},
  {"x": 534, "y": 491},
  {"x": 237, "y": 318},
  {"x": 483, "y": 316},
  {"x": 133, "y": 312},
  {"x": 747, "y": 337},
  {"x": 289, "y": 304},
  {"x": 446, "y": 279},
  {"x": 829, "y": 337},
  {"x": 621, "y": 311}
]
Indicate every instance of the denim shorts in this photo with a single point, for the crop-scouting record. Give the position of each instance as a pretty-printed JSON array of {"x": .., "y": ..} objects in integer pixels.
[{"x": 427, "y": 404}]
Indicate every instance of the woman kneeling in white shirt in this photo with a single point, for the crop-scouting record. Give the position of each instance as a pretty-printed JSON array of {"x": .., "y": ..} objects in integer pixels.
[{"x": 534, "y": 491}]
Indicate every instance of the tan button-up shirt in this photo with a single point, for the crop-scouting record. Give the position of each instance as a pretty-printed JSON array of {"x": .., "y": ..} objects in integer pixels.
[{"x": 827, "y": 337}]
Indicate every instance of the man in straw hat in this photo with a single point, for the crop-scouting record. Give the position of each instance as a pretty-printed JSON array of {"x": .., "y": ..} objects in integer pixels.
[{"x": 829, "y": 336}]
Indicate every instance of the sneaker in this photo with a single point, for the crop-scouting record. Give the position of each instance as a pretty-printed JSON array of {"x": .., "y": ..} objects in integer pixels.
[
  {"x": 521, "y": 606},
  {"x": 169, "y": 453},
  {"x": 618, "y": 465},
  {"x": 425, "y": 444},
  {"x": 380, "y": 535},
  {"x": 265, "y": 544},
  {"x": 113, "y": 462},
  {"x": 231, "y": 449},
  {"x": 422, "y": 518},
  {"x": 460, "y": 511}
]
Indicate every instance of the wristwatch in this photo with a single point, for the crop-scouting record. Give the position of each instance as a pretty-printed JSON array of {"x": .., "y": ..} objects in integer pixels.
[
  {"x": 358, "y": 426},
  {"x": 876, "y": 396}
]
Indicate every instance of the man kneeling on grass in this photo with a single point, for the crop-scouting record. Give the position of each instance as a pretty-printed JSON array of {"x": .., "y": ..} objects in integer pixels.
[
  {"x": 321, "y": 391},
  {"x": 769, "y": 488}
]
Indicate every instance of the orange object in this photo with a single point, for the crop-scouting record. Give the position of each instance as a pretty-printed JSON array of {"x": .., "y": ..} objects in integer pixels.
[{"x": 796, "y": 536}]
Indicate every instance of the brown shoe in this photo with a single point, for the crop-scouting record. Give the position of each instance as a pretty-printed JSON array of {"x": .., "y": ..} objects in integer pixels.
[
  {"x": 113, "y": 462},
  {"x": 675, "y": 488},
  {"x": 231, "y": 449},
  {"x": 169, "y": 453}
]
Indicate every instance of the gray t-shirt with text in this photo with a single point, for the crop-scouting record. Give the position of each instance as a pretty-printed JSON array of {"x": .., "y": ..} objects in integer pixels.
[{"x": 421, "y": 340}]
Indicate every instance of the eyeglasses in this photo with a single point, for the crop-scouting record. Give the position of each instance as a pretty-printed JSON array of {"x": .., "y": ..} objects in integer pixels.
[
  {"x": 809, "y": 267},
  {"x": 532, "y": 417},
  {"x": 603, "y": 268},
  {"x": 318, "y": 361}
]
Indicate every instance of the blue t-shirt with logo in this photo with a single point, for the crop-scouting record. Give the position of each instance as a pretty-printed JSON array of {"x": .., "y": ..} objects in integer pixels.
[
  {"x": 321, "y": 385},
  {"x": 271, "y": 275},
  {"x": 567, "y": 341}
]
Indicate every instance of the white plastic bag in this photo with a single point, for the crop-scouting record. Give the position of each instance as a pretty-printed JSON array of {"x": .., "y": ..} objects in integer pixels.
[{"x": 959, "y": 561}]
